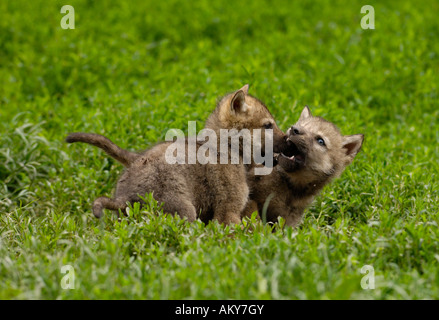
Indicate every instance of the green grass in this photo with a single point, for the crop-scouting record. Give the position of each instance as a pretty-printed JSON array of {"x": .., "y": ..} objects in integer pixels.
[{"x": 133, "y": 70}]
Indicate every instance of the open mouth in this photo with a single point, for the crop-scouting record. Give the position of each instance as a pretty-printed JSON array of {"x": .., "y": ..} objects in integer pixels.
[{"x": 293, "y": 154}]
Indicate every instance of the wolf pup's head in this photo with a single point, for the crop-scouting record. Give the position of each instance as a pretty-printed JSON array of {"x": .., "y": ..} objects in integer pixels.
[
  {"x": 318, "y": 152},
  {"x": 239, "y": 110}
]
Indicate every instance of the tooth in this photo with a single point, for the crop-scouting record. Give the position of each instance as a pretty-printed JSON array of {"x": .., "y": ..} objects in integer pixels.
[{"x": 292, "y": 158}]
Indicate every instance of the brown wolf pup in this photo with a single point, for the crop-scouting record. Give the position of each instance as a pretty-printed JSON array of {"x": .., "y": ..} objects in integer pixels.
[
  {"x": 317, "y": 154},
  {"x": 205, "y": 191}
]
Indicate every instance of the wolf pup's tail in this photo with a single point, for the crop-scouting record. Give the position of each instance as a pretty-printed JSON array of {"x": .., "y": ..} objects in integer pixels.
[{"x": 123, "y": 156}]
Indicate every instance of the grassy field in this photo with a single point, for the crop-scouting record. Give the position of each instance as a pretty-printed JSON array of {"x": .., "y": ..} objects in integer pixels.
[{"x": 133, "y": 70}]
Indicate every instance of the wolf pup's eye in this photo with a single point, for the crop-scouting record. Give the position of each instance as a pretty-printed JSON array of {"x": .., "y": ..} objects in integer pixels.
[
  {"x": 268, "y": 125},
  {"x": 321, "y": 141}
]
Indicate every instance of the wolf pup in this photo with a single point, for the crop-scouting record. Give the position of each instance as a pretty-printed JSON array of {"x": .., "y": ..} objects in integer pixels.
[
  {"x": 205, "y": 191},
  {"x": 317, "y": 154}
]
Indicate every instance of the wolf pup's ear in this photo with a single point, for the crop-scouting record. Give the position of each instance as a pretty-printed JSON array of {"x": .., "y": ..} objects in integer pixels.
[
  {"x": 245, "y": 89},
  {"x": 306, "y": 113},
  {"x": 238, "y": 105},
  {"x": 351, "y": 145}
]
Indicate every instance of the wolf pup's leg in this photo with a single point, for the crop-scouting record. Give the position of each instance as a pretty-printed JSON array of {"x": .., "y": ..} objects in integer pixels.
[
  {"x": 250, "y": 207},
  {"x": 228, "y": 218},
  {"x": 106, "y": 203},
  {"x": 181, "y": 206},
  {"x": 228, "y": 210}
]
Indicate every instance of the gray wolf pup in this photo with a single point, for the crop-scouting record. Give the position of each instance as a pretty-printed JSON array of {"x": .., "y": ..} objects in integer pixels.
[
  {"x": 317, "y": 154},
  {"x": 205, "y": 191}
]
